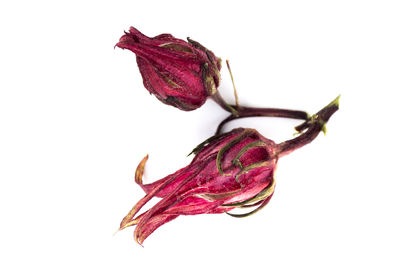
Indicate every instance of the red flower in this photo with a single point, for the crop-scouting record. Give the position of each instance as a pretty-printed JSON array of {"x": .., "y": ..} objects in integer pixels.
[
  {"x": 235, "y": 169},
  {"x": 178, "y": 73},
  {"x": 231, "y": 170}
]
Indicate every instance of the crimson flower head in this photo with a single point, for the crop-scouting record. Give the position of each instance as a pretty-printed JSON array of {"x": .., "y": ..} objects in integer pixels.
[
  {"x": 179, "y": 73},
  {"x": 234, "y": 169},
  {"x": 231, "y": 170}
]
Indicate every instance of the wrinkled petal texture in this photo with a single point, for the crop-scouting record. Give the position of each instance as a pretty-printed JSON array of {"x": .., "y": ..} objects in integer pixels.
[
  {"x": 173, "y": 70},
  {"x": 246, "y": 160}
]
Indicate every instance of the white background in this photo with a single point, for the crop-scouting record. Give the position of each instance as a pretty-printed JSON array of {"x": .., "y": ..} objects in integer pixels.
[{"x": 75, "y": 120}]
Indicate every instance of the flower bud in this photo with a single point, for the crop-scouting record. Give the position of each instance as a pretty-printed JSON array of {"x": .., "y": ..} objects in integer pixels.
[
  {"x": 235, "y": 169},
  {"x": 179, "y": 73}
]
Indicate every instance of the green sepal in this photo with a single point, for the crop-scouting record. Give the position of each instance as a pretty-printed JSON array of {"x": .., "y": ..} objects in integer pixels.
[
  {"x": 250, "y": 167},
  {"x": 247, "y": 214},
  {"x": 203, "y": 144},
  {"x": 335, "y": 102},
  {"x": 236, "y": 161},
  {"x": 228, "y": 146},
  {"x": 266, "y": 192}
]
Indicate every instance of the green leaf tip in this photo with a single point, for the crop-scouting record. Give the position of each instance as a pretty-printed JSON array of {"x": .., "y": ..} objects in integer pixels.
[
  {"x": 335, "y": 102},
  {"x": 203, "y": 144},
  {"x": 324, "y": 129}
]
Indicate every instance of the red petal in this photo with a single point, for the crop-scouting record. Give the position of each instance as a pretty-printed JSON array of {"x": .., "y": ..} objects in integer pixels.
[
  {"x": 170, "y": 199},
  {"x": 141, "y": 233},
  {"x": 143, "y": 201}
]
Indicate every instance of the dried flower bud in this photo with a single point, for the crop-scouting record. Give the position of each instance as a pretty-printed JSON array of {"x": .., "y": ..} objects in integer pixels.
[
  {"x": 235, "y": 169},
  {"x": 231, "y": 170},
  {"x": 178, "y": 73}
]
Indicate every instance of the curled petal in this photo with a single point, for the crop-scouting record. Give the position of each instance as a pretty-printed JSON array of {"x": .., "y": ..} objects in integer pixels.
[
  {"x": 140, "y": 170},
  {"x": 147, "y": 188},
  {"x": 145, "y": 199}
]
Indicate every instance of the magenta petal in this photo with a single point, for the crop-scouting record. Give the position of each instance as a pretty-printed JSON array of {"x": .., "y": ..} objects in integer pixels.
[
  {"x": 191, "y": 206},
  {"x": 177, "y": 178},
  {"x": 143, "y": 231},
  {"x": 170, "y": 199},
  {"x": 142, "y": 202}
]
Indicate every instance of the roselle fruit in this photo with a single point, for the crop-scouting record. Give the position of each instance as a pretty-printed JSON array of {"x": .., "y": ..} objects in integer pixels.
[
  {"x": 179, "y": 73},
  {"x": 234, "y": 169},
  {"x": 184, "y": 74}
]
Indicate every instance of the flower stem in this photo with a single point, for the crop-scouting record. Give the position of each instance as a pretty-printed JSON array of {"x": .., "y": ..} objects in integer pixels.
[
  {"x": 245, "y": 112},
  {"x": 223, "y": 104},
  {"x": 237, "y": 111},
  {"x": 314, "y": 126}
]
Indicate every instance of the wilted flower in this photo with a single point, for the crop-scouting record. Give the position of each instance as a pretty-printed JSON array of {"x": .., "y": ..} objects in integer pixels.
[
  {"x": 178, "y": 73},
  {"x": 230, "y": 170}
]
